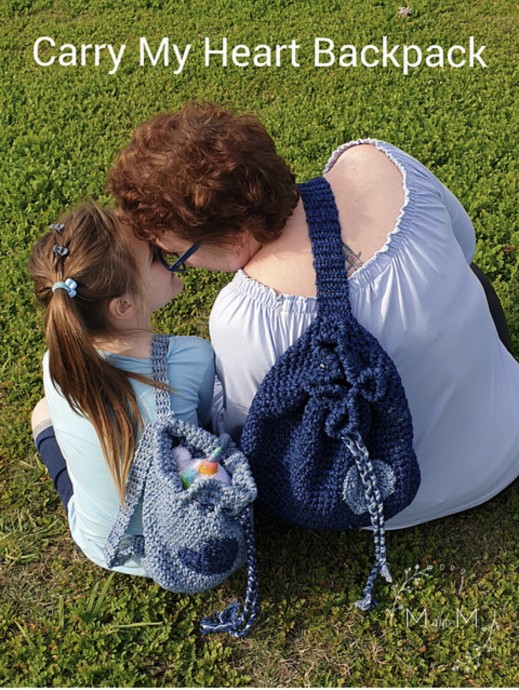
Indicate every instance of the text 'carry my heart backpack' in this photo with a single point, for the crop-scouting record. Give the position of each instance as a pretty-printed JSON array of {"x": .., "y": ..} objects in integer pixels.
[
  {"x": 329, "y": 435},
  {"x": 193, "y": 538}
]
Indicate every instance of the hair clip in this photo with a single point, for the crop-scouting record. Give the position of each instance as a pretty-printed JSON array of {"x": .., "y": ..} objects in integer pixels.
[
  {"x": 59, "y": 250},
  {"x": 69, "y": 285},
  {"x": 57, "y": 227}
]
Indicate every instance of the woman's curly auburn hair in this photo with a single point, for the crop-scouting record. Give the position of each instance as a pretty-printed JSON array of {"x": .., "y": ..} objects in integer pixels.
[{"x": 206, "y": 174}]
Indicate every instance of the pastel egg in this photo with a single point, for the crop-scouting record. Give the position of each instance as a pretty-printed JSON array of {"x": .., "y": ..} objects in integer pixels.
[
  {"x": 187, "y": 477},
  {"x": 207, "y": 467}
]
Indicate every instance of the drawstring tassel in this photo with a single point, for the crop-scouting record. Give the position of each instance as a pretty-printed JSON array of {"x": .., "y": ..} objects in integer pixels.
[
  {"x": 229, "y": 620},
  {"x": 386, "y": 574},
  {"x": 368, "y": 601},
  {"x": 374, "y": 502}
]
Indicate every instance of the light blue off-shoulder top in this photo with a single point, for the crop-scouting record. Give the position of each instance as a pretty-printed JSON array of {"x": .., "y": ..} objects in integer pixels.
[{"x": 419, "y": 297}]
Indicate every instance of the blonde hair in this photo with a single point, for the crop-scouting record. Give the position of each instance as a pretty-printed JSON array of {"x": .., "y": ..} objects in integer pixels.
[{"x": 98, "y": 256}]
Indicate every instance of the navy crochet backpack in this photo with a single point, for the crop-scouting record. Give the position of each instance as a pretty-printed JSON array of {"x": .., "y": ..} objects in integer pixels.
[
  {"x": 194, "y": 538},
  {"x": 329, "y": 435}
]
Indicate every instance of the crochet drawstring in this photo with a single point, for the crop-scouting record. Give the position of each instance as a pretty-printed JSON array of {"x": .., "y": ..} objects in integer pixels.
[
  {"x": 229, "y": 620},
  {"x": 375, "y": 505}
]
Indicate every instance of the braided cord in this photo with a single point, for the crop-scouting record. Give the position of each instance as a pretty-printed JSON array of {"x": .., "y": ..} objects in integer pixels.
[
  {"x": 229, "y": 620},
  {"x": 374, "y": 501}
]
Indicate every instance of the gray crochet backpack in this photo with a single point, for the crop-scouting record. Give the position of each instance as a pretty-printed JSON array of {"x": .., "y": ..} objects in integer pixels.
[{"x": 194, "y": 538}]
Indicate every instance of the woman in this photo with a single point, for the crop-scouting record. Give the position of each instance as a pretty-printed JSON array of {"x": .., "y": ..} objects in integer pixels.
[{"x": 207, "y": 183}]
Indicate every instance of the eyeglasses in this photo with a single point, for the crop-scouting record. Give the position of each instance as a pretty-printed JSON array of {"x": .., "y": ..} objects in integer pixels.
[{"x": 179, "y": 262}]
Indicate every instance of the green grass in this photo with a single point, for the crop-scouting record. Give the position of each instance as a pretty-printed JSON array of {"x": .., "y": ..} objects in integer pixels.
[{"x": 63, "y": 622}]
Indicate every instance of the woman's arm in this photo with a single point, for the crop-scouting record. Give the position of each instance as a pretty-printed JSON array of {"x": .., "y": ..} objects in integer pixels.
[{"x": 461, "y": 224}]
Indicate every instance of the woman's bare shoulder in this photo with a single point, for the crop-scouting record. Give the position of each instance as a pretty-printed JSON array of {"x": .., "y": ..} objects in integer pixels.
[
  {"x": 369, "y": 194},
  {"x": 364, "y": 165},
  {"x": 368, "y": 191}
]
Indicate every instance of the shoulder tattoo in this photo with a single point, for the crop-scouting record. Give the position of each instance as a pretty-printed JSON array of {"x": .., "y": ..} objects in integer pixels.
[{"x": 353, "y": 261}]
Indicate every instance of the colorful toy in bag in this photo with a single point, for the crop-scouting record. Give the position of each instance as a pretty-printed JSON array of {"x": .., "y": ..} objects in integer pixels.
[
  {"x": 192, "y": 471},
  {"x": 196, "y": 538},
  {"x": 329, "y": 434}
]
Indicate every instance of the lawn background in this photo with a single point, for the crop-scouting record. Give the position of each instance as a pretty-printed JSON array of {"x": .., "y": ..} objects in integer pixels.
[{"x": 64, "y": 622}]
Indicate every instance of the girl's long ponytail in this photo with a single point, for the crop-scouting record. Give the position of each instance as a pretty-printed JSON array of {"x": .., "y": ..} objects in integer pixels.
[{"x": 93, "y": 251}]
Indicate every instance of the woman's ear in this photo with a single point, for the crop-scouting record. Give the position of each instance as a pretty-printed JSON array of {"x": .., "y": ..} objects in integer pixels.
[{"x": 122, "y": 308}]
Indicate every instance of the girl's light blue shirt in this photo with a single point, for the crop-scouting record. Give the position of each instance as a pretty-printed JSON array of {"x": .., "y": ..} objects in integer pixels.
[{"x": 94, "y": 504}]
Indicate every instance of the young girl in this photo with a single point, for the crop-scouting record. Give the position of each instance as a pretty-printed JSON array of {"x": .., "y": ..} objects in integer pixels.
[{"x": 99, "y": 286}]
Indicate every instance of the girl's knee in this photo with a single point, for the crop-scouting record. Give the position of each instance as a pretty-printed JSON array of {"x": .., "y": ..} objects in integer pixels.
[{"x": 40, "y": 414}]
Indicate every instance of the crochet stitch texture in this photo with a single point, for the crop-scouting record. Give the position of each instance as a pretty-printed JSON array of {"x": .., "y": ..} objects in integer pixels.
[
  {"x": 192, "y": 539},
  {"x": 329, "y": 434}
]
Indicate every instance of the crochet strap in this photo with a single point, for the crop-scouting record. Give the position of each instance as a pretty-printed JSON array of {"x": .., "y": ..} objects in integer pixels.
[
  {"x": 159, "y": 363},
  {"x": 140, "y": 465},
  {"x": 333, "y": 300},
  {"x": 325, "y": 234},
  {"x": 134, "y": 488}
]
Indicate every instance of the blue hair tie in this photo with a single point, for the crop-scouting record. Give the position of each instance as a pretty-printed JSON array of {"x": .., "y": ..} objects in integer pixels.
[{"x": 69, "y": 285}]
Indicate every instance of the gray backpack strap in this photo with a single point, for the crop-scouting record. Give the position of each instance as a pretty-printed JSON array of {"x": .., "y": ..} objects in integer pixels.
[
  {"x": 140, "y": 465},
  {"x": 159, "y": 363}
]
